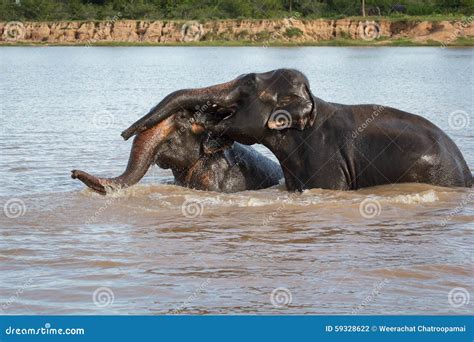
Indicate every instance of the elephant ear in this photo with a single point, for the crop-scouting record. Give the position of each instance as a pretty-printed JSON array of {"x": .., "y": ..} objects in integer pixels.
[
  {"x": 293, "y": 110},
  {"x": 213, "y": 144}
]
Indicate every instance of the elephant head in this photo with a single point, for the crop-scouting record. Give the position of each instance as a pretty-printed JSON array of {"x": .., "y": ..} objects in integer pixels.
[
  {"x": 187, "y": 143},
  {"x": 178, "y": 142},
  {"x": 244, "y": 109}
]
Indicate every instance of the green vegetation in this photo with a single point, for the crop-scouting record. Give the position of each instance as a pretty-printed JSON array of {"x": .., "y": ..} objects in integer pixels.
[
  {"x": 463, "y": 41},
  {"x": 50, "y": 10},
  {"x": 293, "y": 32},
  {"x": 263, "y": 35}
]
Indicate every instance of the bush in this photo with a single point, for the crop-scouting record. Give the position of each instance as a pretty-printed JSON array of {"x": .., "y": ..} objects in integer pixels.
[
  {"x": 293, "y": 32},
  {"x": 263, "y": 35},
  {"x": 212, "y": 9},
  {"x": 421, "y": 9}
]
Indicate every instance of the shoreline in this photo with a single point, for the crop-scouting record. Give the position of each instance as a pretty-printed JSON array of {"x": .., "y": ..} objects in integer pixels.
[
  {"x": 465, "y": 43},
  {"x": 288, "y": 32}
]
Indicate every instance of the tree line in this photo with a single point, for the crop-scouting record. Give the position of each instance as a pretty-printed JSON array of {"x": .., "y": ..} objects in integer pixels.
[{"x": 45, "y": 10}]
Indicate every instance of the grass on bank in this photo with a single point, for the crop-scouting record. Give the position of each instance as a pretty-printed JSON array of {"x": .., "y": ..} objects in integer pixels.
[
  {"x": 460, "y": 42},
  {"x": 404, "y": 17}
]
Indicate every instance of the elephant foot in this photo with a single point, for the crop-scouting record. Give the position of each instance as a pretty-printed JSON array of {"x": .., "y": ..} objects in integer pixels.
[{"x": 92, "y": 182}]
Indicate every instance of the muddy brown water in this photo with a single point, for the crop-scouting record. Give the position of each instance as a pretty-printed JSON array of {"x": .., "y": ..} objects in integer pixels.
[{"x": 161, "y": 249}]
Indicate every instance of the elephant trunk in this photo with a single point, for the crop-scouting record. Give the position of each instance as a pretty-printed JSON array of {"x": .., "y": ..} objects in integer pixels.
[
  {"x": 142, "y": 155},
  {"x": 221, "y": 94}
]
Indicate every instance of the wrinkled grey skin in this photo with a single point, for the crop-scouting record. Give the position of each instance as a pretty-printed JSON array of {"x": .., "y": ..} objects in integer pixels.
[
  {"x": 196, "y": 159},
  {"x": 321, "y": 144},
  {"x": 200, "y": 161}
]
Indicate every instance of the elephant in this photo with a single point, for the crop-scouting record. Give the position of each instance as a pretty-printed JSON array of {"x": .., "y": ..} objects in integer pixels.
[
  {"x": 197, "y": 160},
  {"x": 321, "y": 144}
]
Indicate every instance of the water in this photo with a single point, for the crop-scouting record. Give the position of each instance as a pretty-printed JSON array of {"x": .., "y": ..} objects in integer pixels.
[{"x": 66, "y": 250}]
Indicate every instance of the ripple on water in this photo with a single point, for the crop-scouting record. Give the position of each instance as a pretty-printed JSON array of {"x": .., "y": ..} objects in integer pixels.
[{"x": 410, "y": 244}]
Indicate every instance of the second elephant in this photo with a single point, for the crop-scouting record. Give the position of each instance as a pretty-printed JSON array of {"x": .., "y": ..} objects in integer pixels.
[{"x": 196, "y": 159}]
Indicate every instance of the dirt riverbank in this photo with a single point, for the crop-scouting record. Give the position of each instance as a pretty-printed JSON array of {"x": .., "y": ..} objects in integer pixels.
[{"x": 241, "y": 32}]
